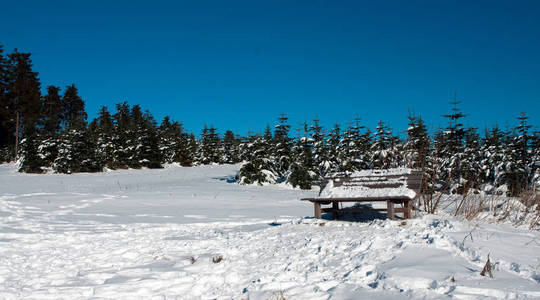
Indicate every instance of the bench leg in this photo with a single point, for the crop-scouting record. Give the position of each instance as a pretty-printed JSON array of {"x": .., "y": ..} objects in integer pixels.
[
  {"x": 335, "y": 205},
  {"x": 390, "y": 209},
  {"x": 407, "y": 209},
  {"x": 317, "y": 210}
]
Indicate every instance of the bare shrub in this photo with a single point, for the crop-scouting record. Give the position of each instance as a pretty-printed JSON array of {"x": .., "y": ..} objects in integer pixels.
[
  {"x": 217, "y": 259},
  {"x": 487, "y": 269}
]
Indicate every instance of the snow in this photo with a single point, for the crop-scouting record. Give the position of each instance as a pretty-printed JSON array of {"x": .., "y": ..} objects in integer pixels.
[
  {"x": 348, "y": 191},
  {"x": 153, "y": 234}
]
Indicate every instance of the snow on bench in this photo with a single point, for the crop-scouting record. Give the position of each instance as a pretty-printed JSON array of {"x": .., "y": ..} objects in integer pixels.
[{"x": 395, "y": 186}]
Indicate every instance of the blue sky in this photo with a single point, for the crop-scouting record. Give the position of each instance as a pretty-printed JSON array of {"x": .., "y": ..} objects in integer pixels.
[{"x": 239, "y": 64}]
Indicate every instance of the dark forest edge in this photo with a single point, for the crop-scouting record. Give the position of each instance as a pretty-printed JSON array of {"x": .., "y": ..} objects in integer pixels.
[{"x": 50, "y": 133}]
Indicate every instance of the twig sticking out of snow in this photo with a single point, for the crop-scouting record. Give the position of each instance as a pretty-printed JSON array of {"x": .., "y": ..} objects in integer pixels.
[{"x": 487, "y": 269}]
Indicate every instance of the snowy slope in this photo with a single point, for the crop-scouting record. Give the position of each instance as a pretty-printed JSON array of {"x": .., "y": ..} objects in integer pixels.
[{"x": 154, "y": 233}]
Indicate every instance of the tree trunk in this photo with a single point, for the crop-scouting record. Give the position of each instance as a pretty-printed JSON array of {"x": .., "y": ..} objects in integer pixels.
[{"x": 16, "y": 135}]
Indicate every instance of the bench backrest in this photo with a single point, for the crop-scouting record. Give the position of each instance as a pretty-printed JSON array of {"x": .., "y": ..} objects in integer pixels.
[{"x": 377, "y": 179}]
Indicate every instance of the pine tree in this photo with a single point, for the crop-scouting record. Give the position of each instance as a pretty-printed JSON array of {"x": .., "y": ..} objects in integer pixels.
[
  {"x": 471, "y": 160},
  {"x": 192, "y": 150},
  {"x": 417, "y": 145},
  {"x": 74, "y": 115},
  {"x": 417, "y": 152},
  {"x": 30, "y": 160},
  {"x": 167, "y": 140},
  {"x": 231, "y": 148},
  {"x": 259, "y": 167},
  {"x": 105, "y": 137},
  {"x": 333, "y": 141},
  {"x": 517, "y": 168},
  {"x": 492, "y": 163},
  {"x": 77, "y": 150},
  {"x": 150, "y": 153},
  {"x": 123, "y": 137},
  {"x": 535, "y": 160},
  {"x": 322, "y": 162},
  {"x": 384, "y": 152},
  {"x": 6, "y": 115},
  {"x": 23, "y": 96},
  {"x": 452, "y": 149},
  {"x": 282, "y": 146},
  {"x": 210, "y": 151},
  {"x": 76, "y": 153},
  {"x": 50, "y": 122},
  {"x": 302, "y": 168}
]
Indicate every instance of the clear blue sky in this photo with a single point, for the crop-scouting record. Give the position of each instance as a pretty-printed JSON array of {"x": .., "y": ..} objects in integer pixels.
[{"x": 239, "y": 64}]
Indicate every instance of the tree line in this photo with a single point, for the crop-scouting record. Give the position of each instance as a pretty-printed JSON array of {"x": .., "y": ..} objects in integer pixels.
[{"x": 51, "y": 132}]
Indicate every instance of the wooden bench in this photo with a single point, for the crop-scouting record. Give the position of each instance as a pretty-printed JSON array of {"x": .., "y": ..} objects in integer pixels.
[{"x": 372, "y": 186}]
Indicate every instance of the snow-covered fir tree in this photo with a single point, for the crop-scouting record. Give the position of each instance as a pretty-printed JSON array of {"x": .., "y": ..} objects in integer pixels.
[
  {"x": 383, "y": 150},
  {"x": 282, "y": 146},
  {"x": 302, "y": 170},
  {"x": 493, "y": 157},
  {"x": 105, "y": 137},
  {"x": 471, "y": 161},
  {"x": 30, "y": 161},
  {"x": 518, "y": 161},
  {"x": 123, "y": 137},
  {"x": 210, "y": 150},
  {"x": 258, "y": 167},
  {"x": 322, "y": 162},
  {"x": 334, "y": 141},
  {"x": 451, "y": 151},
  {"x": 231, "y": 148}
]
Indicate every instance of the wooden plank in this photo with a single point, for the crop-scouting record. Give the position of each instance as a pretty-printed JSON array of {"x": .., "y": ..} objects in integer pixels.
[
  {"x": 335, "y": 206},
  {"x": 390, "y": 213},
  {"x": 407, "y": 209},
  {"x": 317, "y": 210},
  {"x": 358, "y": 199},
  {"x": 346, "y": 210}
]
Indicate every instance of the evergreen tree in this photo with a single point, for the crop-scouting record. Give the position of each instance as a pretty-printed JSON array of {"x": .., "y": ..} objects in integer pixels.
[
  {"x": 349, "y": 148},
  {"x": 210, "y": 151},
  {"x": 451, "y": 151},
  {"x": 384, "y": 152},
  {"x": 417, "y": 152},
  {"x": 192, "y": 150},
  {"x": 333, "y": 141},
  {"x": 301, "y": 170},
  {"x": 22, "y": 96},
  {"x": 50, "y": 122},
  {"x": 322, "y": 162},
  {"x": 77, "y": 153},
  {"x": 492, "y": 163},
  {"x": 231, "y": 148},
  {"x": 5, "y": 113},
  {"x": 30, "y": 160},
  {"x": 259, "y": 167},
  {"x": 167, "y": 140},
  {"x": 148, "y": 141},
  {"x": 144, "y": 144},
  {"x": 105, "y": 137},
  {"x": 417, "y": 145},
  {"x": 517, "y": 167},
  {"x": 535, "y": 160},
  {"x": 123, "y": 137},
  {"x": 471, "y": 160},
  {"x": 74, "y": 115},
  {"x": 282, "y": 146}
]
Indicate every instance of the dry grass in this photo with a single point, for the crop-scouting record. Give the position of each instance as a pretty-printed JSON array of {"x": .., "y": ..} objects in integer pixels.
[
  {"x": 217, "y": 259},
  {"x": 279, "y": 295}
]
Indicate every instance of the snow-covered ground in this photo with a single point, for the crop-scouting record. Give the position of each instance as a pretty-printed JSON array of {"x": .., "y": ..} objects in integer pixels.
[{"x": 192, "y": 233}]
